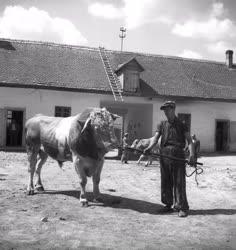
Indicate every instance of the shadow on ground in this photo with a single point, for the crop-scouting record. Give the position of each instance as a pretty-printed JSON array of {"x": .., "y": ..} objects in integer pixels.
[{"x": 136, "y": 205}]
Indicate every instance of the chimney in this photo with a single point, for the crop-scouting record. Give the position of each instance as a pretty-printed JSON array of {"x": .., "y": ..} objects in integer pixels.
[{"x": 229, "y": 58}]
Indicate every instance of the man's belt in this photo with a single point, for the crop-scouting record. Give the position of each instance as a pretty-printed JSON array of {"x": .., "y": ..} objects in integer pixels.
[{"x": 175, "y": 144}]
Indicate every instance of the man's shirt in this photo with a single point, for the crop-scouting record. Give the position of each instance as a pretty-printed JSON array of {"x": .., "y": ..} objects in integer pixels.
[{"x": 172, "y": 133}]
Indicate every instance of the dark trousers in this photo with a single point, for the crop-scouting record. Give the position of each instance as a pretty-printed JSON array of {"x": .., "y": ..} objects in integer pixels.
[
  {"x": 173, "y": 182},
  {"x": 124, "y": 156}
]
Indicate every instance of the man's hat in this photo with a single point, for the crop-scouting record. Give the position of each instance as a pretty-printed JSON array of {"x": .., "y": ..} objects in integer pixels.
[
  {"x": 126, "y": 134},
  {"x": 168, "y": 104}
]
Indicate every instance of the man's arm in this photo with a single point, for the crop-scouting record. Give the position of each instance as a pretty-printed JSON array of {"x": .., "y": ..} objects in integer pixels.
[{"x": 153, "y": 143}]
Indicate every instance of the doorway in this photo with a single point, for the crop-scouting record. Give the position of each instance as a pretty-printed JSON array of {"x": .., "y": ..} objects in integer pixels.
[
  {"x": 222, "y": 135},
  {"x": 14, "y": 128}
]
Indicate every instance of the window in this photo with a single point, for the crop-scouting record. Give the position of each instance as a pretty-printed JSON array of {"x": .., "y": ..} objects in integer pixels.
[
  {"x": 186, "y": 119},
  {"x": 62, "y": 111},
  {"x": 14, "y": 130},
  {"x": 131, "y": 80}
]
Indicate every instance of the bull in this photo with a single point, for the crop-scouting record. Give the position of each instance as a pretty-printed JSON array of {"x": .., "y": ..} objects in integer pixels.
[
  {"x": 141, "y": 144},
  {"x": 83, "y": 139}
]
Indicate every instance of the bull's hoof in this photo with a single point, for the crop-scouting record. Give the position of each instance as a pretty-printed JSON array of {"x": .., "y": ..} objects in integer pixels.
[
  {"x": 39, "y": 188},
  {"x": 30, "y": 192}
]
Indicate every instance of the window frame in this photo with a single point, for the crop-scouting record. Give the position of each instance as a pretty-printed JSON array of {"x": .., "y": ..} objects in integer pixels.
[
  {"x": 129, "y": 85},
  {"x": 62, "y": 111}
]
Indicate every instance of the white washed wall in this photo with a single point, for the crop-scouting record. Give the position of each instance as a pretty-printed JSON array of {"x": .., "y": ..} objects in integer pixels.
[
  {"x": 203, "y": 116},
  {"x": 203, "y": 113},
  {"x": 44, "y": 101}
]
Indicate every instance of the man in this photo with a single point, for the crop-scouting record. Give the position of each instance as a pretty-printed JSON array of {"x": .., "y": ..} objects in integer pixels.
[
  {"x": 173, "y": 135},
  {"x": 124, "y": 156},
  {"x": 196, "y": 146}
]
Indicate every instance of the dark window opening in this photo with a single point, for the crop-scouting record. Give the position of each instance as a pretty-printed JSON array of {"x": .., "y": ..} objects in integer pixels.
[
  {"x": 14, "y": 128},
  {"x": 62, "y": 111}
]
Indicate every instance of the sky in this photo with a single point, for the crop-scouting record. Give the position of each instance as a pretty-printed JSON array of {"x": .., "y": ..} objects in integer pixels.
[{"x": 202, "y": 29}]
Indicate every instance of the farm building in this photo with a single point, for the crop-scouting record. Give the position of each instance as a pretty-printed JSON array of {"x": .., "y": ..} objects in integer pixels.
[{"x": 62, "y": 80}]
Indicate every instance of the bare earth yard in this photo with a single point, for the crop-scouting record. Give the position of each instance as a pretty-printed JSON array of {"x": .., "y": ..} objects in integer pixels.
[{"x": 128, "y": 218}]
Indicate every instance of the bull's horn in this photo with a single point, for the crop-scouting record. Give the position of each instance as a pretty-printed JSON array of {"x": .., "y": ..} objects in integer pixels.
[{"x": 87, "y": 123}]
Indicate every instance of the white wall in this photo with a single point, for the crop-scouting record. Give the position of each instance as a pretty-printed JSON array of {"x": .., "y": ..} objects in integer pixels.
[
  {"x": 203, "y": 119},
  {"x": 44, "y": 101},
  {"x": 203, "y": 113},
  {"x": 41, "y": 101}
]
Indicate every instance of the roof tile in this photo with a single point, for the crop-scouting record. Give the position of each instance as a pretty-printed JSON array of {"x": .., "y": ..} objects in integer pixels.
[{"x": 74, "y": 67}]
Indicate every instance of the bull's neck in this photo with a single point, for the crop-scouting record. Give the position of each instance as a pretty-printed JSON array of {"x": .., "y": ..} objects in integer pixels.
[{"x": 101, "y": 149}]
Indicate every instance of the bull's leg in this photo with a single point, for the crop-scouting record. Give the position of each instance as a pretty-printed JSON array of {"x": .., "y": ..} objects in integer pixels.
[
  {"x": 149, "y": 161},
  {"x": 82, "y": 180},
  {"x": 140, "y": 158},
  {"x": 32, "y": 158},
  {"x": 43, "y": 157},
  {"x": 96, "y": 181}
]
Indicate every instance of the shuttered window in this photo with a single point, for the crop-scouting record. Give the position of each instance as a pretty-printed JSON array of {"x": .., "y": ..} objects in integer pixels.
[
  {"x": 131, "y": 81},
  {"x": 61, "y": 111}
]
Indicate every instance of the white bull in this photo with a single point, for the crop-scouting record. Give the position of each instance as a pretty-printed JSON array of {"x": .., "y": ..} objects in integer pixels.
[
  {"x": 141, "y": 144},
  {"x": 84, "y": 139}
]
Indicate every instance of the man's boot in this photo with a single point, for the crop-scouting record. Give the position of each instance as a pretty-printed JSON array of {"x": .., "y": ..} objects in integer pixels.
[{"x": 183, "y": 213}]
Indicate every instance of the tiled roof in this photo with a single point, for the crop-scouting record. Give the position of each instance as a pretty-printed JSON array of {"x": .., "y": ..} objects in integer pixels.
[
  {"x": 63, "y": 66},
  {"x": 51, "y": 65},
  {"x": 175, "y": 76}
]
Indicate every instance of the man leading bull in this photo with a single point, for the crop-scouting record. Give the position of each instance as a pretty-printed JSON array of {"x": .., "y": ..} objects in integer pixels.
[{"x": 173, "y": 135}]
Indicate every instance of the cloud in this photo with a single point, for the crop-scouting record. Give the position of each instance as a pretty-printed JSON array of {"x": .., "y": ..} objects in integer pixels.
[
  {"x": 35, "y": 24},
  {"x": 165, "y": 20},
  {"x": 212, "y": 29},
  {"x": 190, "y": 54},
  {"x": 137, "y": 13},
  {"x": 220, "y": 47},
  {"x": 134, "y": 13},
  {"x": 107, "y": 11},
  {"x": 217, "y": 9}
]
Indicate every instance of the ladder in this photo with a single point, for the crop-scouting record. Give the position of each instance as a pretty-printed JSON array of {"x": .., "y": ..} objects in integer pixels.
[{"x": 112, "y": 77}]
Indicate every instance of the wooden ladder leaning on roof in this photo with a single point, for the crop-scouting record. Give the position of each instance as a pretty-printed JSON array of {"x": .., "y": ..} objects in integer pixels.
[{"x": 112, "y": 77}]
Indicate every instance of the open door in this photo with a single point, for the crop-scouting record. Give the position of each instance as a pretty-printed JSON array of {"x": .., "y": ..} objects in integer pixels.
[
  {"x": 222, "y": 135},
  {"x": 2, "y": 128},
  {"x": 14, "y": 129}
]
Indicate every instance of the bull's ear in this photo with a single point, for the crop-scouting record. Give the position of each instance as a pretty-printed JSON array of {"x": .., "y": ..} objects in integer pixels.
[
  {"x": 114, "y": 116},
  {"x": 86, "y": 125}
]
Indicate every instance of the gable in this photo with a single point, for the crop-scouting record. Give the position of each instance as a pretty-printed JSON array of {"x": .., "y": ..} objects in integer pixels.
[{"x": 132, "y": 64}]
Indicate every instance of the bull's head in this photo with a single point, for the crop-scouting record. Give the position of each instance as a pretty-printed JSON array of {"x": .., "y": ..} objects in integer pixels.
[
  {"x": 102, "y": 122},
  {"x": 134, "y": 145}
]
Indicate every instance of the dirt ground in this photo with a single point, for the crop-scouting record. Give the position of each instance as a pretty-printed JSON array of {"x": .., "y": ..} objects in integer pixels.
[{"x": 128, "y": 218}]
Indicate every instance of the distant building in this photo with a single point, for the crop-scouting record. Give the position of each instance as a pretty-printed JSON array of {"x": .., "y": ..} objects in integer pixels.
[{"x": 62, "y": 80}]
